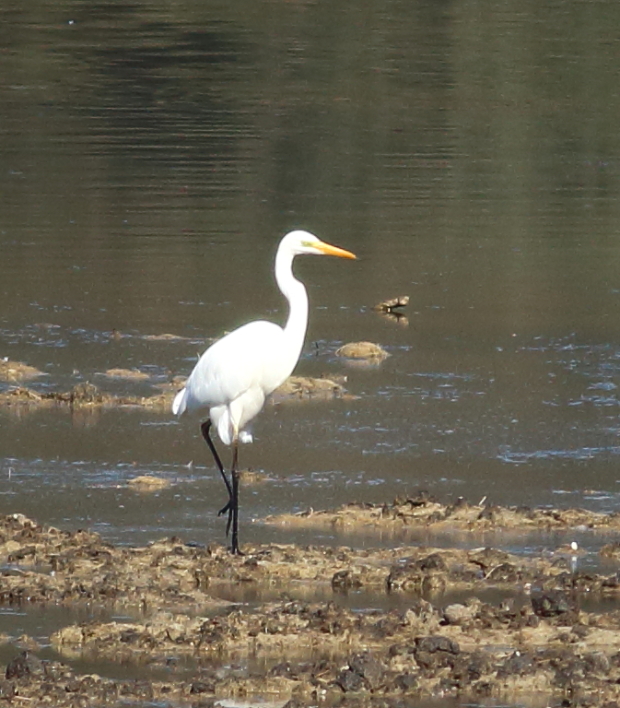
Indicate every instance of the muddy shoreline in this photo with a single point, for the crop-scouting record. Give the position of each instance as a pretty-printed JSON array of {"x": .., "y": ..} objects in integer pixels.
[
  {"x": 86, "y": 395},
  {"x": 536, "y": 642}
]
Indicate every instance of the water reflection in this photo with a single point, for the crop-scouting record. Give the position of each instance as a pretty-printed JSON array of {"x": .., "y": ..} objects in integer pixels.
[{"x": 152, "y": 159}]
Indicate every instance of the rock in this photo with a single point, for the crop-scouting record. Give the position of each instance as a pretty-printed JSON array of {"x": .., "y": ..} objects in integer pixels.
[
  {"x": 597, "y": 662},
  {"x": 519, "y": 663},
  {"x": 367, "y": 666},
  {"x": 202, "y": 687},
  {"x": 362, "y": 350},
  {"x": 406, "y": 682},
  {"x": 345, "y": 580},
  {"x": 349, "y": 680},
  {"x": 7, "y": 690},
  {"x": 488, "y": 558},
  {"x": 437, "y": 643},
  {"x": 424, "y": 574},
  {"x": 503, "y": 573},
  {"x": 25, "y": 665},
  {"x": 432, "y": 563},
  {"x": 435, "y": 652},
  {"x": 552, "y": 603},
  {"x": 459, "y": 614}
]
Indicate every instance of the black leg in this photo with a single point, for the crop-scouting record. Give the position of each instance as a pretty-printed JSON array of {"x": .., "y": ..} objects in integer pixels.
[
  {"x": 232, "y": 506},
  {"x": 228, "y": 508},
  {"x": 234, "y": 473}
]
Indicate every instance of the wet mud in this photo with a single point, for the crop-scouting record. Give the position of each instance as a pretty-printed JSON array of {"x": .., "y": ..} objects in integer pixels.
[
  {"x": 87, "y": 395},
  {"x": 83, "y": 395},
  {"x": 423, "y": 511},
  {"x": 290, "y": 647}
]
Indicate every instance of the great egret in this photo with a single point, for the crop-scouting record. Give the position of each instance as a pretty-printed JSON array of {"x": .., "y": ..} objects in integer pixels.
[{"x": 236, "y": 373}]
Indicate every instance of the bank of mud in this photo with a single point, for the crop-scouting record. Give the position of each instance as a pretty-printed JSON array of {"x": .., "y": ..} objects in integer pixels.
[
  {"x": 423, "y": 511},
  {"x": 537, "y": 642},
  {"x": 86, "y": 395}
]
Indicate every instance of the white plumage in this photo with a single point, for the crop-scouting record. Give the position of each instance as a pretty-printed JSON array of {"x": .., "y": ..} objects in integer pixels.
[{"x": 234, "y": 376}]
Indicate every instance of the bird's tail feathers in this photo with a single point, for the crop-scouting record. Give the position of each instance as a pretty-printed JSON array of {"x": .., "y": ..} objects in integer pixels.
[{"x": 180, "y": 402}]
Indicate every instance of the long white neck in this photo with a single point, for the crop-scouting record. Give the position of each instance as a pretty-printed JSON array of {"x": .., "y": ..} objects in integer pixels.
[{"x": 295, "y": 292}]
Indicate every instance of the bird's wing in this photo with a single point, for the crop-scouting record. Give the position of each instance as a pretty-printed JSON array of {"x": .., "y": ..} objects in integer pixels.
[{"x": 245, "y": 358}]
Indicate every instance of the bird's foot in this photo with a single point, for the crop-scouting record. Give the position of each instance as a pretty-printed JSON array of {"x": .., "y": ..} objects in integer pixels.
[
  {"x": 225, "y": 509},
  {"x": 228, "y": 509}
]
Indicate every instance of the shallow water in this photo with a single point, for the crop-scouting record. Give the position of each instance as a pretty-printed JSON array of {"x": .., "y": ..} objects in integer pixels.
[{"x": 149, "y": 162}]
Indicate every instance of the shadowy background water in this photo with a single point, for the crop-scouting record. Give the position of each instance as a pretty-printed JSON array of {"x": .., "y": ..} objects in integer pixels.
[{"x": 151, "y": 156}]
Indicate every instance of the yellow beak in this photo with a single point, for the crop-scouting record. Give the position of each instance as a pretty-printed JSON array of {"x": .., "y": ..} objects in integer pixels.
[{"x": 330, "y": 250}]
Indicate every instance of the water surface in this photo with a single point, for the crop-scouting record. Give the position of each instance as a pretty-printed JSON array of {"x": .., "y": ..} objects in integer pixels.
[{"x": 151, "y": 159}]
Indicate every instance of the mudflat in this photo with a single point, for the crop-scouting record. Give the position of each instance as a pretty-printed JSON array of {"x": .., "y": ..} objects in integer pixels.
[{"x": 296, "y": 649}]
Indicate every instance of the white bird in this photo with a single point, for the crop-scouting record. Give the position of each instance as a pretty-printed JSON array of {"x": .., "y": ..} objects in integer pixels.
[{"x": 236, "y": 373}]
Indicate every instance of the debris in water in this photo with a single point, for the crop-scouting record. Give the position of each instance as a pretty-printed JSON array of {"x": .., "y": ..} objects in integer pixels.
[
  {"x": 392, "y": 304},
  {"x": 391, "y": 309}
]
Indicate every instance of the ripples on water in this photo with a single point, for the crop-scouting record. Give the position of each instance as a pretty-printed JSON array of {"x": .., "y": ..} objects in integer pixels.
[
  {"x": 151, "y": 161},
  {"x": 151, "y": 158},
  {"x": 452, "y": 433}
]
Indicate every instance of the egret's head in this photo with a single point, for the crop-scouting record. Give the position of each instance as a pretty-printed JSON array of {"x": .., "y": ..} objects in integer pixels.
[{"x": 301, "y": 242}]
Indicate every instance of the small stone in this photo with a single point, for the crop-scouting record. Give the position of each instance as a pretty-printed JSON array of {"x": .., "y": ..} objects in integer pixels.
[
  {"x": 437, "y": 643},
  {"x": 458, "y": 614},
  {"x": 406, "y": 681},
  {"x": 7, "y": 689},
  {"x": 368, "y": 668},
  {"x": 345, "y": 580},
  {"x": 25, "y": 665},
  {"x": 202, "y": 687},
  {"x": 350, "y": 681},
  {"x": 552, "y": 603}
]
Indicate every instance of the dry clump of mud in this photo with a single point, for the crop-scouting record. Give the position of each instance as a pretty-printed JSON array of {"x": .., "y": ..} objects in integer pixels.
[
  {"x": 424, "y": 512},
  {"x": 537, "y": 642},
  {"x": 305, "y": 388},
  {"x": 362, "y": 350},
  {"x": 83, "y": 395},
  {"x": 148, "y": 483},
  {"x": 13, "y": 371},
  {"x": 87, "y": 395}
]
